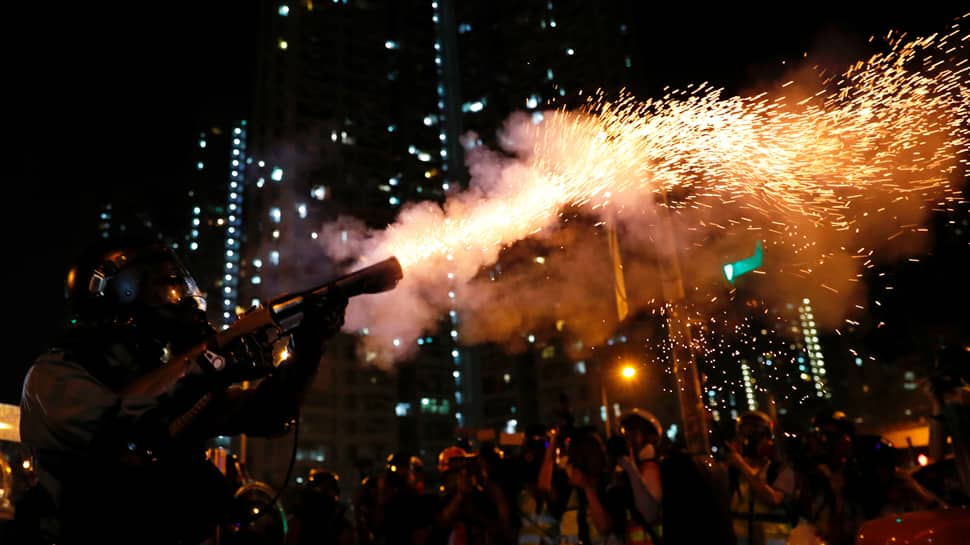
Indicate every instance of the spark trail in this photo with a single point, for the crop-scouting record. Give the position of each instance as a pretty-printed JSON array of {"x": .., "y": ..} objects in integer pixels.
[{"x": 828, "y": 151}]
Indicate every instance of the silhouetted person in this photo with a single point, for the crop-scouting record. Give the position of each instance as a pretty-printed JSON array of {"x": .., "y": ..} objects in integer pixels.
[{"x": 117, "y": 420}]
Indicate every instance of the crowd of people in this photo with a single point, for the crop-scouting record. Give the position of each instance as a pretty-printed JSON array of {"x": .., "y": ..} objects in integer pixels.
[
  {"x": 572, "y": 485},
  {"x": 118, "y": 413}
]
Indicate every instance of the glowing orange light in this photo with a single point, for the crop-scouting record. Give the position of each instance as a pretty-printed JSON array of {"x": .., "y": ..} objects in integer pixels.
[
  {"x": 891, "y": 127},
  {"x": 922, "y": 460},
  {"x": 843, "y": 152},
  {"x": 628, "y": 372}
]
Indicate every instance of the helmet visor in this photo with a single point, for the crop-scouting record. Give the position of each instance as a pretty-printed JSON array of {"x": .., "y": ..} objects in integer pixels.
[{"x": 172, "y": 285}]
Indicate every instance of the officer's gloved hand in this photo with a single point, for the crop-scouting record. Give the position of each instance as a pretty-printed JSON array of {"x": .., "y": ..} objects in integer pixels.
[
  {"x": 245, "y": 358},
  {"x": 249, "y": 357},
  {"x": 323, "y": 316}
]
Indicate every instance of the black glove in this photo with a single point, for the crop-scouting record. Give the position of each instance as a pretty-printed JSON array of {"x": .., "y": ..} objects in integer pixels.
[
  {"x": 323, "y": 316},
  {"x": 248, "y": 358}
]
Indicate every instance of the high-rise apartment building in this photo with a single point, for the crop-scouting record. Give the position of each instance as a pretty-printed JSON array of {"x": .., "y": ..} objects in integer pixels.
[
  {"x": 345, "y": 124},
  {"x": 362, "y": 106}
]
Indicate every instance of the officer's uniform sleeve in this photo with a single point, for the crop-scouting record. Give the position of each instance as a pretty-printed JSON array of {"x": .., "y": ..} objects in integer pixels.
[{"x": 63, "y": 407}]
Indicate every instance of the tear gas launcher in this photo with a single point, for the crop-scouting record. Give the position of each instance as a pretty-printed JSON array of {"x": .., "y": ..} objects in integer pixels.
[
  {"x": 277, "y": 318},
  {"x": 284, "y": 313}
]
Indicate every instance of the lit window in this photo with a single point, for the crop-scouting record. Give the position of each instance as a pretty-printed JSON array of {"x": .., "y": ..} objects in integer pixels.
[
  {"x": 275, "y": 214},
  {"x": 277, "y": 174},
  {"x": 274, "y": 257},
  {"x": 282, "y": 44},
  {"x": 301, "y": 210},
  {"x": 284, "y": 10},
  {"x": 403, "y": 409},
  {"x": 391, "y": 44},
  {"x": 570, "y": 51}
]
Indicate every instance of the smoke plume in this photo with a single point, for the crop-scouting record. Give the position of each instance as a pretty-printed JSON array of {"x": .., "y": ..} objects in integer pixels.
[{"x": 831, "y": 173}]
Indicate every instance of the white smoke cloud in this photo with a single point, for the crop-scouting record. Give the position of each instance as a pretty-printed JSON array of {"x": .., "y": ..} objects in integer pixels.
[{"x": 828, "y": 186}]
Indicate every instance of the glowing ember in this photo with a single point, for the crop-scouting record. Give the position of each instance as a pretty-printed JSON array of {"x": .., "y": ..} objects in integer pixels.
[
  {"x": 865, "y": 151},
  {"x": 893, "y": 124}
]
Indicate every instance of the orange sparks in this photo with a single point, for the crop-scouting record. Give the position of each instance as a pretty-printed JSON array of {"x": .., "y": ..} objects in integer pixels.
[{"x": 894, "y": 125}]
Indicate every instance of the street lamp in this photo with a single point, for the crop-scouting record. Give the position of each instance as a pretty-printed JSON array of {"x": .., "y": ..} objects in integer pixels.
[{"x": 628, "y": 372}]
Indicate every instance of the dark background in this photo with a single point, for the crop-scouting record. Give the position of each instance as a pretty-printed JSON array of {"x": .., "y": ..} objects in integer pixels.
[{"x": 104, "y": 102}]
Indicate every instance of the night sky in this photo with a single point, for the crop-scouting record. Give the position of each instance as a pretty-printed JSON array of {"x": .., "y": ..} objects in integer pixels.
[{"x": 104, "y": 103}]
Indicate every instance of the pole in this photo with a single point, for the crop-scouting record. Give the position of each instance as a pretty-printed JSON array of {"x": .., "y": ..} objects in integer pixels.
[
  {"x": 606, "y": 406},
  {"x": 682, "y": 356},
  {"x": 243, "y": 442}
]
